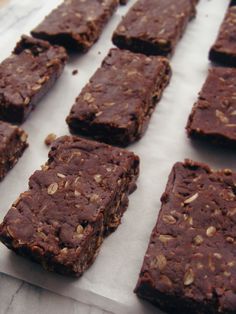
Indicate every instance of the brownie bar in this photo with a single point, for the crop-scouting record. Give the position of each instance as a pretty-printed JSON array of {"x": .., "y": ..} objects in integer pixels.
[
  {"x": 12, "y": 145},
  {"x": 117, "y": 103},
  {"x": 224, "y": 49},
  {"x": 190, "y": 264},
  {"x": 154, "y": 27},
  {"x": 27, "y": 75},
  {"x": 213, "y": 117},
  {"x": 77, "y": 199},
  {"x": 76, "y": 24}
]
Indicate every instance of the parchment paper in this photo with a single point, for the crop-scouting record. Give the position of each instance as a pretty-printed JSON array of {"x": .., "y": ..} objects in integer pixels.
[{"x": 109, "y": 283}]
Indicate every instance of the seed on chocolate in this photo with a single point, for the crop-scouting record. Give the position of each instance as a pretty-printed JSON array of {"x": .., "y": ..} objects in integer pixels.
[
  {"x": 210, "y": 232},
  {"x": 60, "y": 175},
  {"x": 168, "y": 219},
  {"x": 191, "y": 199},
  {"x": 52, "y": 188},
  {"x": 217, "y": 255},
  {"x": 198, "y": 239},
  {"x": 189, "y": 277},
  {"x": 79, "y": 229},
  {"x": 50, "y": 139},
  {"x": 164, "y": 238},
  {"x": 23, "y": 137}
]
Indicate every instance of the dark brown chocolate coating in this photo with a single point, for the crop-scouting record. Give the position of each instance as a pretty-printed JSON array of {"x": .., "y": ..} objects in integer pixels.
[
  {"x": 116, "y": 105},
  {"x": 27, "y": 75},
  {"x": 154, "y": 27},
  {"x": 12, "y": 145},
  {"x": 77, "y": 199},
  {"x": 224, "y": 49},
  {"x": 76, "y": 24},
  {"x": 190, "y": 264},
  {"x": 213, "y": 117}
]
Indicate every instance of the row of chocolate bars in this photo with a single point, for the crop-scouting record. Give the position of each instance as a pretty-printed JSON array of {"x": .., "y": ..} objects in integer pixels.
[{"x": 82, "y": 191}]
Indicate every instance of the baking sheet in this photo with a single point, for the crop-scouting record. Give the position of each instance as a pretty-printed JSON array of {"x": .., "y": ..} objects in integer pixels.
[{"x": 109, "y": 283}]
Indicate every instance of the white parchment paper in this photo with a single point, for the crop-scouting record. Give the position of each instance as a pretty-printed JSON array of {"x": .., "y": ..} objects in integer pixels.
[{"x": 109, "y": 283}]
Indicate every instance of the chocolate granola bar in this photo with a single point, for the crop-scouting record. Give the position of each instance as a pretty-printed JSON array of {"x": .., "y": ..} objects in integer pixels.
[
  {"x": 117, "y": 103},
  {"x": 12, "y": 145},
  {"x": 154, "y": 27},
  {"x": 76, "y": 24},
  {"x": 190, "y": 264},
  {"x": 213, "y": 117},
  {"x": 224, "y": 49},
  {"x": 77, "y": 199},
  {"x": 27, "y": 75},
  {"x": 13, "y": 142}
]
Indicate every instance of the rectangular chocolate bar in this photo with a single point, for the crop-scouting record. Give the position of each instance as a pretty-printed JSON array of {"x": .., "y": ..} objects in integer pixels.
[
  {"x": 76, "y": 24},
  {"x": 154, "y": 27},
  {"x": 213, "y": 117},
  {"x": 13, "y": 142},
  {"x": 224, "y": 49},
  {"x": 77, "y": 199},
  {"x": 27, "y": 75},
  {"x": 190, "y": 263},
  {"x": 117, "y": 103}
]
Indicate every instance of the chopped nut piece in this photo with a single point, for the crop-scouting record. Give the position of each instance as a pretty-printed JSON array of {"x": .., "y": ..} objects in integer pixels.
[
  {"x": 98, "y": 178},
  {"x": 44, "y": 167},
  {"x": 50, "y": 139},
  {"x": 222, "y": 116},
  {"x": 77, "y": 193},
  {"x": 23, "y": 137},
  {"x": 227, "y": 273},
  {"x": 79, "y": 229},
  {"x": 88, "y": 97},
  {"x": 94, "y": 197},
  {"x": 159, "y": 262},
  {"x": 231, "y": 212},
  {"x": 165, "y": 281},
  {"x": 227, "y": 171},
  {"x": 230, "y": 239},
  {"x": 218, "y": 255}
]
